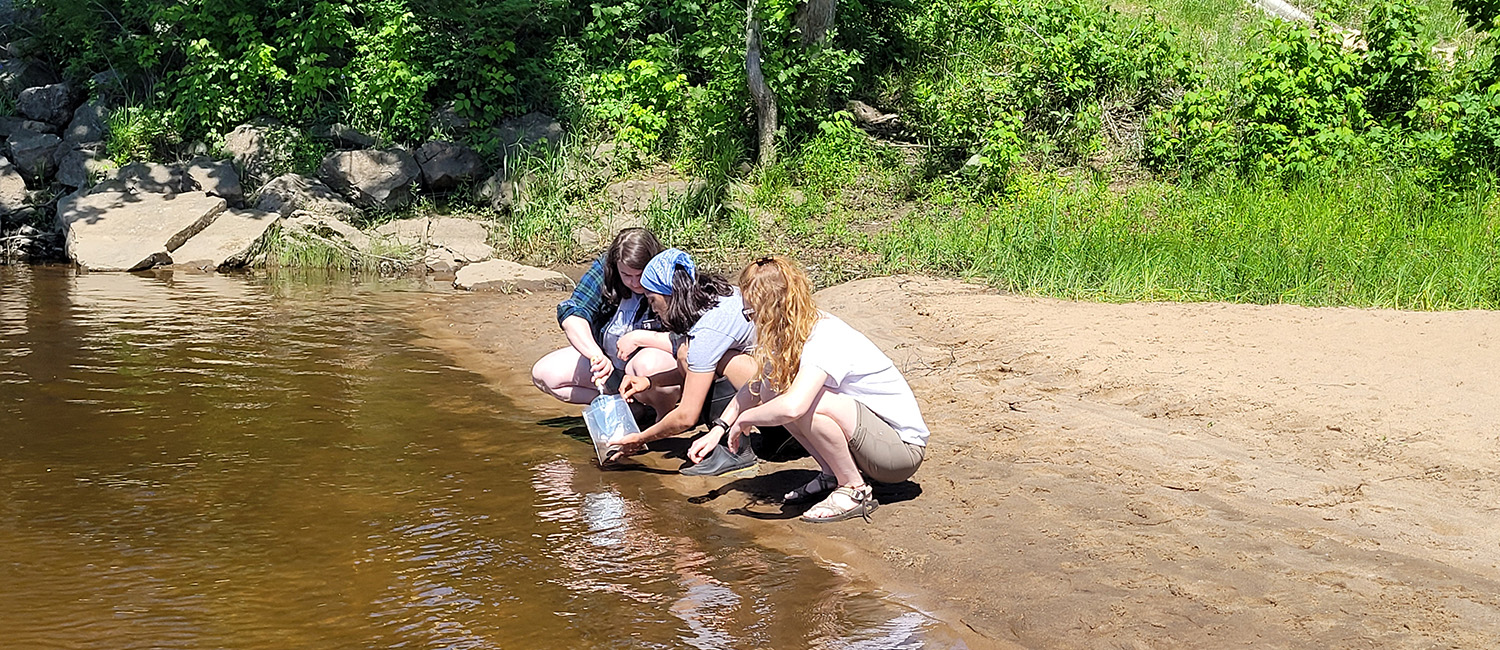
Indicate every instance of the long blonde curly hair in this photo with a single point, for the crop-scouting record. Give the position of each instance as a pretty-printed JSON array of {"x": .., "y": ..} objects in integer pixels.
[{"x": 780, "y": 294}]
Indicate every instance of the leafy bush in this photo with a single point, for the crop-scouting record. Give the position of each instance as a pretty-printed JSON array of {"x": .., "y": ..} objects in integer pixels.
[{"x": 990, "y": 77}]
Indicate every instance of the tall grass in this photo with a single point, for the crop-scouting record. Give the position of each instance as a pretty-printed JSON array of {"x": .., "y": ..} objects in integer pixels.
[{"x": 1368, "y": 238}]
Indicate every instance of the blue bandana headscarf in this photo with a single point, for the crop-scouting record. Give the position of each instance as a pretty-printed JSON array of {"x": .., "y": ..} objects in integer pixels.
[{"x": 657, "y": 276}]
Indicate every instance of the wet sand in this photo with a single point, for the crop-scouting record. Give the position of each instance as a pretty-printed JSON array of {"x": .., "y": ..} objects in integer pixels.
[{"x": 1141, "y": 475}]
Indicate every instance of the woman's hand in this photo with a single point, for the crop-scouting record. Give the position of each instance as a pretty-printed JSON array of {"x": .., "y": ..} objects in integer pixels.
[
  {"x": 628, "y": 445},
  {"x": 704, "y": 446},
  {"x": 633, "y": 384},
  {"x": 600, "y": 368},
  {"x": 629, "y": 343}
]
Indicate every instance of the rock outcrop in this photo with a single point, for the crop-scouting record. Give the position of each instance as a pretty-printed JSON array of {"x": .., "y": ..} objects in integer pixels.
[
  {"x": 446, "y": 165},
  {"x": 372, "y": 179},
  {"x": 292, "y": 192},
  {"x": 231, "y": 241},
  {"x": 35, "y": 154},
  {"x": 257, "y": 152},
  {"x": 510, "y": 277},
  {"x": 122, "y": 231},
  {"x": 12, "y": 188},
  {"x": 53, "y": 103}
]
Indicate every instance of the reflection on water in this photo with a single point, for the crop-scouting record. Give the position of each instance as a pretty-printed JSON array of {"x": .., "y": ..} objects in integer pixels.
[{"x": 226, "y": 462}]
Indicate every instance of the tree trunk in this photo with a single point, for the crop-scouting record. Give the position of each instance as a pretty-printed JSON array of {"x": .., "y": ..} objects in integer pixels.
[
  {"x": 765, "y": 99},
  {"x": 814, "y": 19}
]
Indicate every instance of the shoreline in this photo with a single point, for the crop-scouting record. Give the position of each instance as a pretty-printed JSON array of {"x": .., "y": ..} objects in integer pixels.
[{"x": 1167, "y": 474}]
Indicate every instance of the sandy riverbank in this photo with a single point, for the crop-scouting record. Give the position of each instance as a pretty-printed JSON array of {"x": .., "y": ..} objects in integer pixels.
[{"x": 1145, "y": 475}]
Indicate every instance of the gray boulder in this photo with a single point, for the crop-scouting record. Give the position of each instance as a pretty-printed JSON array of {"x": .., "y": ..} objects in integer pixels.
[
  {"x": 231, "y": 241},
  {"x": 529, "y": 131},
  {"x": 509, "y": 277},
  {"x": 53, "y": 103},
  {"x": 88, "y": 125},
  {"x": 120, "y": 231},
  {"x": 465, "y": 240},
  {"x": 35, "y": 154},
  {"x": 81, "y": 165},
  {"x": 214, "y": 177},
  {"x": 17, "y": 75},
  {"x": 502, "y": 193},
  {"x": 446, "y": 165},
  {"x": 634, "y": 197},
  {"x": 447, "y": 120},
  {"x": 257, "y": 152},
  {"x": 292, "y": 192},
  {"x": 12, "y": 188},
  {"x": 344, "y": 136},
  {"x": 374, "y": 179},
  {"x": 153, "y": 178},
  {"x": 327, "y": 229}
]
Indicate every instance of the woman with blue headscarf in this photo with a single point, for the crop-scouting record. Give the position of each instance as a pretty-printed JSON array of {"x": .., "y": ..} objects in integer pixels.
[{"x": 711, "y": 339}]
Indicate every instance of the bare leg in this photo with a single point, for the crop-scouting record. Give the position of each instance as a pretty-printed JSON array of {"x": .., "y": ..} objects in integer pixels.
[
  {"x": 646, "y": 363},
  {"x": 824, "y": 432},
  {"x": 565, "y": 375}
]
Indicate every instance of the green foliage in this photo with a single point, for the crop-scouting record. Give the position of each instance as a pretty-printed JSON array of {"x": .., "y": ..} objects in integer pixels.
[
  {"x": 996, "y": 78},
  {"x": 1302, "y": 101},
  {"x": 141, "y": 133},
  {"x": 1367, "y": 238},
  {"x": 1397, "y": 67},
  {"x": 1483, "y": 15},
  {"x": 641, "y": 99}
]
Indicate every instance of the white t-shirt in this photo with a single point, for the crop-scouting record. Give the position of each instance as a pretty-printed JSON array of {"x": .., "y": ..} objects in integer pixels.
[{"x": 858, "y": 369}]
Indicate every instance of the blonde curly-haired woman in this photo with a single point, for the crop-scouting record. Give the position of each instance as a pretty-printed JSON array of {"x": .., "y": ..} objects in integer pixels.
[{"x": 837, "y": 393}]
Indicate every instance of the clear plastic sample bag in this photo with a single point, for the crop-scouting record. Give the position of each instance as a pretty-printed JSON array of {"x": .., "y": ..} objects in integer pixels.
[{"x": 608, "y": 418}]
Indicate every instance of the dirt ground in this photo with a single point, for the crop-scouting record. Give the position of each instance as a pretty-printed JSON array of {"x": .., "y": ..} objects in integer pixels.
[{"x": 1145, "y": 475}]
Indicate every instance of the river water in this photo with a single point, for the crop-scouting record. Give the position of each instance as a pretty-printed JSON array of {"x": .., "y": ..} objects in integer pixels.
[{"x": 260, "y": 462}]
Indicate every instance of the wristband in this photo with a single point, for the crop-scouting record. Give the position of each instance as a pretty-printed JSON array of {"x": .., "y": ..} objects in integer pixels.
[{"x": 719, "y": 422}]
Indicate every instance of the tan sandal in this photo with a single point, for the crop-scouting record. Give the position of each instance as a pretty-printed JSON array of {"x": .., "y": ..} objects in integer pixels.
[
  {"x": 814, "y": 488},
  {"x": 843, "y": 503}
]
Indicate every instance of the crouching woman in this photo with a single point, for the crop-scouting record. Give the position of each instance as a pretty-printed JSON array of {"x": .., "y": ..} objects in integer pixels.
[{"x": 837, "y": 393}]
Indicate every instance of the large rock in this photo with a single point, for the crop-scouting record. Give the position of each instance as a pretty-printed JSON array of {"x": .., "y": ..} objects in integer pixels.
[
  {"x": 153, "y": 178},
  {"x": 634, "y": 197},
  {"x": 375, "y": 179},
  {"x": 529, "y": 131},
  {"x": 344, "y": 136},
  {"x": 120, "y": 231},
  {"x": 446, "y": 165},
  {"x": 510, "y": 277},
  {"x": 53, "y": 103},
  {"x": 328, "y": 230},
  {"x": 17, "y": 75},
  {"x": 82, "y": 165},
  {"x": 446, "y": 242},
  {"x": 215, "y": 177},
  {"x": 292, "y": 192},
  {"x": 35, "y": 154},
  {"x": 501, "y": 192},
  {"x": 12, "y": 188},
  {"x": 230, "y": 241},
  {"x": 465, "y": 240},
  {"x": 89, "y": 124},
  {"x": 257, "y": 151}
]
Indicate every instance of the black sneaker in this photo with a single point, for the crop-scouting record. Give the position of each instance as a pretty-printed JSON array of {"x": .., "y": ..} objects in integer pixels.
[{"x": 721, "y": 461}]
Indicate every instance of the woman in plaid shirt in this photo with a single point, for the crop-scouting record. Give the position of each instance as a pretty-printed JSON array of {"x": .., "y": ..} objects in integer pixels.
[{"x": 606, "y": 304}]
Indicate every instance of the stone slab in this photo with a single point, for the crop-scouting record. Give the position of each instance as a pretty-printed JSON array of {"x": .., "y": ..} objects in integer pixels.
[
  {"x": 509, "y": 277},
  {"x": 465, "y": 238},
  {"x": 120, "y": 231},
  {"x": 229, "y": 242}
]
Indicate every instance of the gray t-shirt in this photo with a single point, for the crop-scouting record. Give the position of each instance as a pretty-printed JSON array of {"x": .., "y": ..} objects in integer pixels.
[{"x": 718, "y": 331}]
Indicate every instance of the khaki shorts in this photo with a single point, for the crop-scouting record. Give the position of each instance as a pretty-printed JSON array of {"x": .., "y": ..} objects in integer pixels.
[{"x": 880, "y": 453}]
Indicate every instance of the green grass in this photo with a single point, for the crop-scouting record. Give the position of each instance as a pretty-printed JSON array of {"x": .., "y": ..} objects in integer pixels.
[{"x": 1365, "y": 239}]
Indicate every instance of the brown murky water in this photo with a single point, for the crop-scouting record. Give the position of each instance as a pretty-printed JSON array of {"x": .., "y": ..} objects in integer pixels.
[{"x": 235, "y": 462}]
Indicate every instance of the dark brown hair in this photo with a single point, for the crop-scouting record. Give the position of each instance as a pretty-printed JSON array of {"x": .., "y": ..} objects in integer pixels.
[
  {"x": 634, "y": 247},
  {"x": 691, "y": 297}
]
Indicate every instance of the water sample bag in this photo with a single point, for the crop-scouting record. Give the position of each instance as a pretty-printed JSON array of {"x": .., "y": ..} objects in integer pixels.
[{"x": 608, "y": 418}]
